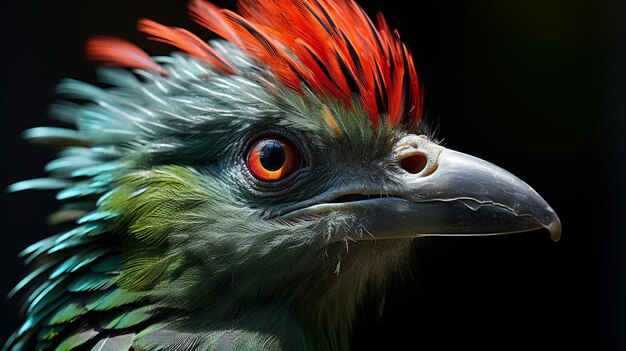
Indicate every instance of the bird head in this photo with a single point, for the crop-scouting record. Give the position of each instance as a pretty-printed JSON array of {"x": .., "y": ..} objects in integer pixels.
[{"x": 252, "y": 187}]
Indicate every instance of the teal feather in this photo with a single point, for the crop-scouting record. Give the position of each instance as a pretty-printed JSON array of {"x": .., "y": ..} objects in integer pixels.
[
  {"x": 69, "y": 244},
  {"x": 105, "y": 196},
  {"x": 93, "y": 255},
  {"x": 92, "y": 282},
  {"x": 78, "y": 190},
  {"x": 70, "y": 162},
  {"x": 107, "y": 264},
  {"x": 39, "y": 315},
  {"x": 73, "y": 158},
  {"x": 36, "y": 246},
  {"x": 83, "y": 230},
  {"x": 66, "y": 266},
  {"x": 97, "y": 169},
  {"x": 121, "y": 79},
  {"x": 78, "y": 261},
  {"x": 74, "y": 89},
  {"x": 17, "y": 345},
  {"x": 39, "y": 184},
  {"x": 48, "y": 291},
  {"x": 30, "y": 277},
  {"x": 54, "y": 135},
  {"x": 63, "y": 111},
  {"x": 41, "y": 249},
  {"x": 96, "y": 216}
]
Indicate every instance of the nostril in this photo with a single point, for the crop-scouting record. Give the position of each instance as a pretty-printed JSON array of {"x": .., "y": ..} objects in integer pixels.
[{"x": 414, "y": 163}]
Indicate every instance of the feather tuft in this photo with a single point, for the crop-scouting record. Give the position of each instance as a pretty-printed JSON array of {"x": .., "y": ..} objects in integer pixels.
[
  {"x": 185, "y": 41},
  {"x": 333, "y": 48},
  {"x": 120, "y": 53}
]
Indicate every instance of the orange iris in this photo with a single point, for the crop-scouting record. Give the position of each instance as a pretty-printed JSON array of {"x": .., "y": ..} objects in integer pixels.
[{"x": 272, "y": 159}]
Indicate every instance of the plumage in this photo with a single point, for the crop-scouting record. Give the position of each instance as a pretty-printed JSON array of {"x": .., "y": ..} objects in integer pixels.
[
  {"x": 120, "y": 52},
  {"x": 115, "y": 343},
  {"x": 76, "y": 339},
  {"x": 173, "y": 240},
  {"x": 127, "y": 319}
]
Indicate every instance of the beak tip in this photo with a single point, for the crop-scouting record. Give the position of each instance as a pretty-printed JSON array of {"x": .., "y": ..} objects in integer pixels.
[{"x": 554, "y": 228}]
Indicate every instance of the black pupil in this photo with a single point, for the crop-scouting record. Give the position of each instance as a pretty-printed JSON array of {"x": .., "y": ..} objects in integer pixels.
[{"x": 272, "y": 156}]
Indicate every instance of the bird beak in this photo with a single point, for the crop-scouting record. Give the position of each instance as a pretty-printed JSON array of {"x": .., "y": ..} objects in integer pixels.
[
  {"x": 445, "y": 192},
  {"x": 442, "y": 192}
]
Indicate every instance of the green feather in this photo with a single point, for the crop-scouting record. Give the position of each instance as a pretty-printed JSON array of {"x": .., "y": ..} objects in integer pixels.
[
  {"x": 107, "y": 300},
  {"x": 46, "y": 345},
  {"x": 35, "y": 317},
  {"x": 69, "y": 312},
  {"x": 127, "y": 319},
  {"x": 49, "y": 332},
  {"x": 158, "y": 163},
  {"x": 76, "y": 339},
  {"x": 143, "y": 270}
]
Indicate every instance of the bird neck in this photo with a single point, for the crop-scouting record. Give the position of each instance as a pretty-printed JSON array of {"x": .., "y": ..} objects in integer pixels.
[
  {"x": 316, "y": 311},
  {"x": 328, "y": 306}
]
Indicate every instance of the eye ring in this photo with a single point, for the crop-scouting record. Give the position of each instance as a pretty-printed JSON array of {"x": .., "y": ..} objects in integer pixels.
[
  {"x": 272, "y": 158},
  {"x": 291, "y": 180}
]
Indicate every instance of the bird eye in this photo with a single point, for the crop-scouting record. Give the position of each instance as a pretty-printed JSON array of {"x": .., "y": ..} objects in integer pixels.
[{"x": 272, "y": 159}]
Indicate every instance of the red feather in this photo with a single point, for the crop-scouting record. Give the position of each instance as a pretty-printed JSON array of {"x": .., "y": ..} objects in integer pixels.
[
  {"x": 342, "y": 53},
  {"x": 332, "y": 47},
  {"x": 121, "y": 53},
  {"x": 185, "y": 41}
]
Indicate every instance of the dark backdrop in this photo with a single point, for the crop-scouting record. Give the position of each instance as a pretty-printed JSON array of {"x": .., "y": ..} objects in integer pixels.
[{"x": 536, "y": 87}]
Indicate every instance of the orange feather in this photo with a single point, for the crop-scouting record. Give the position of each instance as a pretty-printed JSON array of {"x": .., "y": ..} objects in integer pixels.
[
  {"x": 185, "y": 41},
  {"x": 121, "y": 53},
  {"x": 330, "y": 46}
]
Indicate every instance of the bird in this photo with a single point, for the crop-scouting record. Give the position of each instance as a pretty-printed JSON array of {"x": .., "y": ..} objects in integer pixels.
[{"x": 246, "y": 192}]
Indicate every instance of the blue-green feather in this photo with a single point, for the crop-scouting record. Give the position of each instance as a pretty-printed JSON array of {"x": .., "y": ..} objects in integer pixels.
[
  {"x": 92, "y": 282},
  {"x": 106, "y": 300}
]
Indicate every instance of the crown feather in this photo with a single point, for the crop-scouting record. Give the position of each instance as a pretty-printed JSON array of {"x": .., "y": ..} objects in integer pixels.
[
  {"x": 331, "y": 47},
  {"x": 121, "y": 53},
  {"x": 339, "y": 51},
  {"x": 185, "y": 41}
]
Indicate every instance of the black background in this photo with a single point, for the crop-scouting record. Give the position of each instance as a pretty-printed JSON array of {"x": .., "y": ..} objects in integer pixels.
[{"x": 537, "y": 87}]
